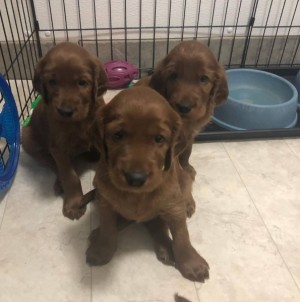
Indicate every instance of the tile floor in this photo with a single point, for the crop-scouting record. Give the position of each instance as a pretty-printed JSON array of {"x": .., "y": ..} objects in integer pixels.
[{"x": 246, "y": 226}]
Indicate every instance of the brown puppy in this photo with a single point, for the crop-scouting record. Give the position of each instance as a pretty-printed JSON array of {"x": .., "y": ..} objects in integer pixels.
[
  {"x": 71, "y": 83},
  {"x": 193, "y": 82},
  {"x": 139, "y": 177}
]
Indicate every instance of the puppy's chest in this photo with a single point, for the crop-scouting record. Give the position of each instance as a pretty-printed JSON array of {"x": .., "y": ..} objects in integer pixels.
[
  {"x": 77, "y": 137},
  {"x": 136, "y": 208}
]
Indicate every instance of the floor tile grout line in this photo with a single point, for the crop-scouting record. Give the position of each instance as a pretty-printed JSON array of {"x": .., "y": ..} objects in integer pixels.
[
  {"x": 4, "y": 210},
  {"x": 5, "y": 204},
  {"x": 196, "y": 290},
  {"x": 292, "y": 150},
  {"x": 263, "y": 221}
]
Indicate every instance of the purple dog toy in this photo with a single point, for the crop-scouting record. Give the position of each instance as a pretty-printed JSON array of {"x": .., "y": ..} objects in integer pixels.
[{"x": 119, "y": 73}]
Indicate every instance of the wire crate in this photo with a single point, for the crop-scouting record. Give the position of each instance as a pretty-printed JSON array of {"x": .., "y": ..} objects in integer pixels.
[{"x": 261, "y": 34}]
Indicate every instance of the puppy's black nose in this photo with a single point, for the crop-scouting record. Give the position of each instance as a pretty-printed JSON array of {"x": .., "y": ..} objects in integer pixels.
[
  {"x": 184, "y": 107},
  {"x": 136, "y": 179},
  {"x": 65, "y": 111}
]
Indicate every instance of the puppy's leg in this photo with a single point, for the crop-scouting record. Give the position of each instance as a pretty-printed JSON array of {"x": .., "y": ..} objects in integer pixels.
[
  {"x": 35, "y": 150},
  {"x": 58, "y": 189},
  {"x": 162, "y": 242},
  {"x": 186, "y": 183},
  {"x": 70, "y": 183},
  {"x": 103, "y": 240},
  {"x": 189, "y": 175},
  {"x": 184, "y": 156},
  {"x": 191, "y": 265}
]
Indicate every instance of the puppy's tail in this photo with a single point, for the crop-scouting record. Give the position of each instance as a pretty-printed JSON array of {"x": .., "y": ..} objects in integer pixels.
[{"x": 89, "y": 196}]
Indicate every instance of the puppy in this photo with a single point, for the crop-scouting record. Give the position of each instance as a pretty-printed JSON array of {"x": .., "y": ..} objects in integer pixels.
[
  {"x": 193, "y": 82},
  {"x": 71, "y": 83},
  {"x": 139, "y": 177}
]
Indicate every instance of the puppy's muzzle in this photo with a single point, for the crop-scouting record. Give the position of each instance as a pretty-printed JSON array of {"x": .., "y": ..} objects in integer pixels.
[
  {"x": 65, "y": 111},
  {"x": 136, "y": 178},
  {"x": 184, "y": 108}
]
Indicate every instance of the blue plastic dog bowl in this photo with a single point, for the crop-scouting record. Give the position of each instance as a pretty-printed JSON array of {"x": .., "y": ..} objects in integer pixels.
[
  {"x": 257, "y": 100},
  {"x": 297, "y": 84}
]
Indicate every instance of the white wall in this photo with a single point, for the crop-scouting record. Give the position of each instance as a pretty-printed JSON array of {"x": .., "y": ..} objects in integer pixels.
[
  {"x": 16, "y": 16},
  {"x": 212, "y": 12}
]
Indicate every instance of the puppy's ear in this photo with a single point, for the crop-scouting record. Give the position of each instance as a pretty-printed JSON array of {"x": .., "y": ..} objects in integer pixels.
[
  {"x": 168, "y": 159},
  {"x": 158, "y": 81},
  {"x": 176, "y": 128},
  {"x": 38, "y": 84},
  {"x": 100, "y": 78},
  {"x": 220, "y": 90}
]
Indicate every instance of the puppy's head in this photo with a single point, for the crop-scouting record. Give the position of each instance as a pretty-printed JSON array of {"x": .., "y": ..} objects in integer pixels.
[
  {"x": 69, "y": 80},
  {"x": 191, "y": 79},
  {"x": 138, "y": 133}
]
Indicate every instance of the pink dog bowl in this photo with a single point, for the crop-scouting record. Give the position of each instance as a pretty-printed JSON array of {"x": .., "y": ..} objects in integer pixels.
[{"x": 120, "y": 73}]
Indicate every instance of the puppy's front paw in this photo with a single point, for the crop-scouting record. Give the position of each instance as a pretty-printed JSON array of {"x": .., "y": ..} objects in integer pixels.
[
  {"x": 72, "y": 208},
  {"x": 194, "y": 267},
  {"x": 100, "y": 250}
]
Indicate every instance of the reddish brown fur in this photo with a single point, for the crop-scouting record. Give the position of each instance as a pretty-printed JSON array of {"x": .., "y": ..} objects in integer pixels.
[
  {"x": 180, "y": 299},
  {"x": 190, "y": 78},
  {"x": 71, "y": 83},
  {"x": 138, "y": 132}
]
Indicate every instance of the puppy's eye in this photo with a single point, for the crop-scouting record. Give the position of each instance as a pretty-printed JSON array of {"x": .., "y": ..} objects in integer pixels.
[
  {"x": 82, "y": 83},
  {"x": 159, "y": 139},
  {"x": 118, "y": 135},
  {"x": 173, "y": 76},
  {"x": 204, "y": 79},
  {"x": 52, "y": 82}
]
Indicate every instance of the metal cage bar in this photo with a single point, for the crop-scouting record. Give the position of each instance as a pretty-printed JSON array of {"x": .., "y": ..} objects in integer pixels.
[
  {"x": 18, "y": 55},
  {"x": 113, "y": 35},
  {"x": 288, "y": 33}
]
